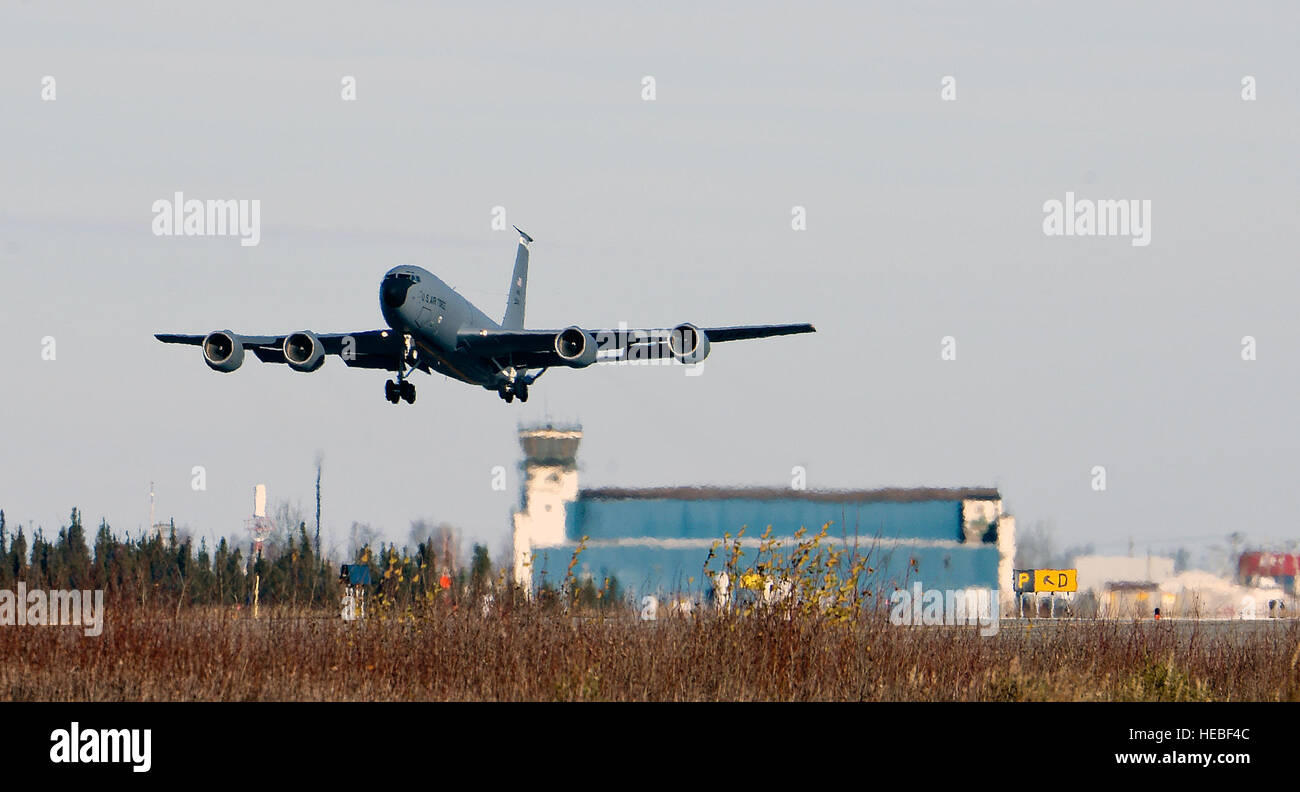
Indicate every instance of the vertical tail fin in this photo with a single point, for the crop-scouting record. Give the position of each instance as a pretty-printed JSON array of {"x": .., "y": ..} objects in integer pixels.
[{"x": 514, "y": 318}]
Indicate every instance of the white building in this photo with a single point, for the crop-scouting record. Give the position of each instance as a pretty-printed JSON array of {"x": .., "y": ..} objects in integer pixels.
[{"x": 1096, "y": 572}]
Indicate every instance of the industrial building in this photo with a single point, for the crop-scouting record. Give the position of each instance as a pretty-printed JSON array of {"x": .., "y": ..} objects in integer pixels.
[
  {"x": 1127, "y": 587},
  {"x": 1099, "y": 574},
  {"x": 1264, "y": 568},
  {"x": 656, "y": 541}
]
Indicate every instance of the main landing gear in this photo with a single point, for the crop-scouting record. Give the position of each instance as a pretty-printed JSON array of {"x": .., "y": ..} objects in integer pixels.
[
  {"x": 403, "y": 389},
  {"x": 397, "y": 391},
  {"x": 509, "y": 392},
  {"x": 517, "y": 388}
]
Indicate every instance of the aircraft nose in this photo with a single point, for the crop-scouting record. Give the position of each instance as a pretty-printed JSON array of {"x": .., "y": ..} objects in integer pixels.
[{"x": 394, "y": 292}]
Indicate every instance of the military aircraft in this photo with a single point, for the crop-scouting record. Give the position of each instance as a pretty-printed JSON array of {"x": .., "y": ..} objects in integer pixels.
[{"x": 432, "y": 328}]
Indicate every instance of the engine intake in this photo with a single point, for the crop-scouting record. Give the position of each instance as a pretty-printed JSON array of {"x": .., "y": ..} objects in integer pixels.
[
  {"x": 303, "y": 351},
  {"x": 222, "y": 351},
  {"x": 688, "y": 344},
  {"x": 575, "y": 347}
]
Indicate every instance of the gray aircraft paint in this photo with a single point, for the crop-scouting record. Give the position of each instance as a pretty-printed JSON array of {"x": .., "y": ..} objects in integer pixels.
[{"x": 451, "y": 336}]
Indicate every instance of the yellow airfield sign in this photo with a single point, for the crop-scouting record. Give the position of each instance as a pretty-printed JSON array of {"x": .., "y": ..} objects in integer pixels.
[{"x": 1046, "y": 580}]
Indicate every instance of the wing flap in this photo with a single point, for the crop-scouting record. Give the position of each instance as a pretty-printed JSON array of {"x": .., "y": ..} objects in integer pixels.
[
  {"x": 491, "y": 343},
  {"x": 384, "y": 362},
  {"x": 269, "y": 354}
]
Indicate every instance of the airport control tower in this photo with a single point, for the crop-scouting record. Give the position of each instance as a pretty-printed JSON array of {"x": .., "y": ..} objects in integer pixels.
[{"x": 550, "y": 482}]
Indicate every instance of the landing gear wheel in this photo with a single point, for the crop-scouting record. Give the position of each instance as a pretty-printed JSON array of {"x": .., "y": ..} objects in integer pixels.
[
  {"x": 522, "y": 391},
  {"x": 509, "y": 397},
  {"x": 407, "y": 391},
  {"x": 391, "y": 392}
]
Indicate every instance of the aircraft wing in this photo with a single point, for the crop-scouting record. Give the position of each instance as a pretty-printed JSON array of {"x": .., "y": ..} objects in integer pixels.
[
  {"x": 746, "y": 332},
  {"x": 377, "y": 349},
  {"x": 534, "y": 348}
]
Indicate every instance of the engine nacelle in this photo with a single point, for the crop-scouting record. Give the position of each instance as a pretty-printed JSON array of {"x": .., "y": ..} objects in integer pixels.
[
  {"x": 575, "y": 347},
  {"x": 303, "y": 351},
  {"x": 222, "y": 351},
  {"x": 688, "y": 343}
]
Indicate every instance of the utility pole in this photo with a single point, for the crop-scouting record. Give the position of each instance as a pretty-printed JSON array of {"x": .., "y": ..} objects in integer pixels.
[{"x": 319, "y": 463}]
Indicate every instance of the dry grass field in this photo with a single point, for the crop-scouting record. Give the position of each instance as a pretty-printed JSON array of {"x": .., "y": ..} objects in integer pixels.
[{"x": 527, "y": 652}]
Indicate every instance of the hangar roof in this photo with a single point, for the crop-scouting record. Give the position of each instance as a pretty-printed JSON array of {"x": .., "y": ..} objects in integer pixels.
[{"x": 886, "y": 495}]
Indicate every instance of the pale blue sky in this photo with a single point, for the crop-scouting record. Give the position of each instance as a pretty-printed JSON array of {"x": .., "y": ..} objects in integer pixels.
[{"x": 924, "y": 220}]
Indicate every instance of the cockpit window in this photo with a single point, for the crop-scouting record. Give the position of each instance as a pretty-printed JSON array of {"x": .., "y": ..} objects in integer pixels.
[{"x": 406, "y": 276}]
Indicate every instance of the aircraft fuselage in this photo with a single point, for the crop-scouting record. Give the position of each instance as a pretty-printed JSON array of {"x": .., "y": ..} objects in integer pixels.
[{"x": 415, "y": 301}]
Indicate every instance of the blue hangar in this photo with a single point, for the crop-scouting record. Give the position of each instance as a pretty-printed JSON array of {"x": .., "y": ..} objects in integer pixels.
[{"x": 656, "y": 541}]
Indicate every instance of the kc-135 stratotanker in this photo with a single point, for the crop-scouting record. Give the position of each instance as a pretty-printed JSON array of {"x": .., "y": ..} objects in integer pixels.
[{"x": 432, "y": 328}]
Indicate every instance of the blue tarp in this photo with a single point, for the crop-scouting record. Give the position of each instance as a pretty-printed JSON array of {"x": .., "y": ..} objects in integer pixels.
[{"x": 358, "y": 574}]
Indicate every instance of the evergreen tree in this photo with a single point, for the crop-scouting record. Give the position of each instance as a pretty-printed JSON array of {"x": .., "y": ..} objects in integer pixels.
[
  {"x": 18, "y": 557},
  {"x": 42, "y": 560},
  {"x": 168, "y": 566},
  {"x": 6, "y": 573},
  {"x": 201, "y": 587},
  {"x": 75, "y": 556},
  {"x": 108, "y": 569},
  {"x": 480, "y": 575}
]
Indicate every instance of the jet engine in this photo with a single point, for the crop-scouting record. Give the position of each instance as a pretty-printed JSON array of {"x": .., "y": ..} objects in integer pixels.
[
  {"x": 303, "y": 351},
  {"x": 222, "y": 351},
  {"x": 575, "y": 347},
  {"x": 688, "y": 343}
]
